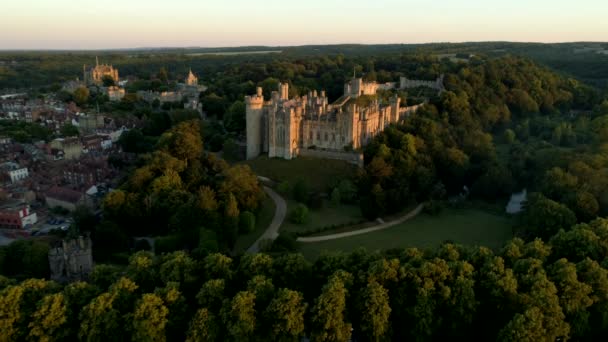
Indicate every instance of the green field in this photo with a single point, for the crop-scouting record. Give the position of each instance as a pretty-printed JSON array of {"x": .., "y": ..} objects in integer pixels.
[
  {"x": 465, "y": 226},
  {"x": 322, "y": 217},
  {"x": 262, "y": 222},
  {"x": 318, "y": 173}
]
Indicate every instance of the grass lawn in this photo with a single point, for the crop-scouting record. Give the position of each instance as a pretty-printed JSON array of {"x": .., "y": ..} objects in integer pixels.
[
  {"x": 262, "y": 222},
  {"x": 325, "y": 216},
  {"x": 470, "y": 227},
  {"x": 317, "y": 172}
]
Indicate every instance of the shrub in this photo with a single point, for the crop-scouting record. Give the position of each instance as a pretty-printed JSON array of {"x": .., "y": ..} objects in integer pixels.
[
  {"x": 284, "y": 188},
  {"x": 231, "y": 150},
  {"x": 142, "y": 245},
  {"x": 166, "y": 244},
  {"x": 335, "y": 197},
  {"x": 299, "y": 214},
  {"x": 433, "y": 208},
  {"x": 285, "y": 242},
  {"x": 246, "y": 222},
  {"x": 301, "y": 191}
]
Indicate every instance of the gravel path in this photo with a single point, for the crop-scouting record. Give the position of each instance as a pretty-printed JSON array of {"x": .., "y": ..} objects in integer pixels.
[
  {"x": 272, "y": 231},
  {"x": 382, "y": 226}
]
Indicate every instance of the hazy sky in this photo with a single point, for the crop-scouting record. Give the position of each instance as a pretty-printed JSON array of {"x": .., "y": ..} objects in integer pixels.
[{"x": 88, "y": 24}]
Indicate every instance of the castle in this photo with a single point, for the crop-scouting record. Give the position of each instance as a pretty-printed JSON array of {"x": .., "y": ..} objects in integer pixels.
[
  {"x": 286, "y": 128},
  {"x": 95, "y": 75},
  {"x": 71, "y": 261}
]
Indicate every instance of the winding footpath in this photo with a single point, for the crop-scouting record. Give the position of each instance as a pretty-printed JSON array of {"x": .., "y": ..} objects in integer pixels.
[
  {"x": 381, "y": 226},
  {"x": 272, "y": 231}
]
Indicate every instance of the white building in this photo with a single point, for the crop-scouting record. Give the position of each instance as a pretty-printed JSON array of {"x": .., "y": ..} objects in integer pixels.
[{"x": 15, "y": 172}]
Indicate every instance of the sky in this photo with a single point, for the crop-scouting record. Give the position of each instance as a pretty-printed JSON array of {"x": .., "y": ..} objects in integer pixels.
[{"x": 102, "y": 24}]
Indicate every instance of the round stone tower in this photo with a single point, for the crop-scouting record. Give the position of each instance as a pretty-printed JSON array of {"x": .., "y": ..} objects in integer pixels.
[{"x": 253, "y": 115}]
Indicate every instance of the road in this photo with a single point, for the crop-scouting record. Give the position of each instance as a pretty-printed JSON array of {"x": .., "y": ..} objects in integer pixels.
[
  {"x": 272, "y": 231},
  {"x": 381, "y": 226}
]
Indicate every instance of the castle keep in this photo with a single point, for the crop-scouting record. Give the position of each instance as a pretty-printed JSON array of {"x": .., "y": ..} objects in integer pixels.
[{"x": 284, "y": 127}]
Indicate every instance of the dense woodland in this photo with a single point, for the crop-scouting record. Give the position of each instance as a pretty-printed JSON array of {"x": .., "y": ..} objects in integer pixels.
[{"x": 503, "y": 124}]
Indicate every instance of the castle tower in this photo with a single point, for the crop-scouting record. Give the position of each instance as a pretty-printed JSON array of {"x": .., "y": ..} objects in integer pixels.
[
  {"x": 395, "y": 103},
  {"x": 284, "y": 91},
  {"x": 253, "y": 116}
]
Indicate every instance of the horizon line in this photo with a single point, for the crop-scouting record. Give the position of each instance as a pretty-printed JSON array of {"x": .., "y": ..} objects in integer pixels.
[{"x": 292, "y": 46}]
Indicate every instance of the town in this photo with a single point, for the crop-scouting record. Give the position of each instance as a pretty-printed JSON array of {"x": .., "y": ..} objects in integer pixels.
[{"x": 59, "y": 156}]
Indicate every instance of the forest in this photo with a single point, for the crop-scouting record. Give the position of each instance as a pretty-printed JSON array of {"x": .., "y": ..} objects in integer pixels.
[{"x": 503, "y": 124}]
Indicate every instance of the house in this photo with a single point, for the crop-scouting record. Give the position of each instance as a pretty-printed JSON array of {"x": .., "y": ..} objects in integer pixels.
[
  {"x": 14, "y": 171},
  {"x": 65, "y": 198},
  {"x": 17, "y": 216},
  {"x": 71, "y": 147}
]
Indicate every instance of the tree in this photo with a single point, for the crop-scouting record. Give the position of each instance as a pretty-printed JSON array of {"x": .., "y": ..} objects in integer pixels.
[
  {"x": 69, "y": 130},
  {"x": 375, "y": 303},
  {"x": 142, "y": 269},
  {"x": 242, "y": 183},
  {"x": 212, "y": 294},
  {"x": 299, "y": 215},
  {"x": 574, "y": 295},
  {"x": 203, "y": 327},
  {"x": 285, "y": 316},
  {"x": 150, "y": 318},
  {"x": 584, "y": 205},
  {"x": 246, "y": 222},
  {"x": 238, "y": 316},
  {"x": 509, "y": 136},
  {"x": 81, "y": 96},
  {"x": 108, "y": 81},
  {"x": 163, "y": 75},
  {"x": 328, "y": 314},
  {"x": 544, "y": 217},
  {"x": 301, "y": 191},
  {"x": 234, "y": 118},
  {"x": 231, "y": 150},
  {"x": 183, "y": 141},
  {"x": 218, "y": 266}
]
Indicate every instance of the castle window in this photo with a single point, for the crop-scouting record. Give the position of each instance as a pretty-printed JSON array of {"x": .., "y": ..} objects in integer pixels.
[
  {"x": 318, "y": 135},
  {"x": 310, "y": 136},
  {"x": 326, "y": 136},
  {"x": 333, "y": 137}
]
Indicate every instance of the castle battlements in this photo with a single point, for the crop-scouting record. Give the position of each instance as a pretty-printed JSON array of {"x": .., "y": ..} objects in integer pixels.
[{"x": 284, "y": 126}]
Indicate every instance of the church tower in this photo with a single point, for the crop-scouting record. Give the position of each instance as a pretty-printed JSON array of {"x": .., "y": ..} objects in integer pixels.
[{"x": 253, "y": 116}]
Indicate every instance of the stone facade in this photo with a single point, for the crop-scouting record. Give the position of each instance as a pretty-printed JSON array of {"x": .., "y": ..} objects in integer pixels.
[
  {"x": 191, "y": 80},
  {"x": 282, "y": 127},
  {"x": 72, "y": 260},
  {"x": 405, "y": 83},
  {"x": 116, "y": 93},
  {"x": 95, "y": 75}
]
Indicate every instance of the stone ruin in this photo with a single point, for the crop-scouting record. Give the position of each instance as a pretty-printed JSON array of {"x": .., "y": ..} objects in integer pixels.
[{"x": 72, "y": 260}]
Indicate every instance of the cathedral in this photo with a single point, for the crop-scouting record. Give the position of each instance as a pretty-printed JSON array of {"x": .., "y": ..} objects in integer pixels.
[
  {"x": 191, "y": 80},
  {"x": 95, "y": 75},
  {"x": 285, "y": 128}
]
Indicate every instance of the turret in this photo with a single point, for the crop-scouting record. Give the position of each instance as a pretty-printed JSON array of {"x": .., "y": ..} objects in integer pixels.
[
  {"x": 284, "y": 91},
  {"x": 253, "y": 116},
  {"x": 395, "y": 103}
]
